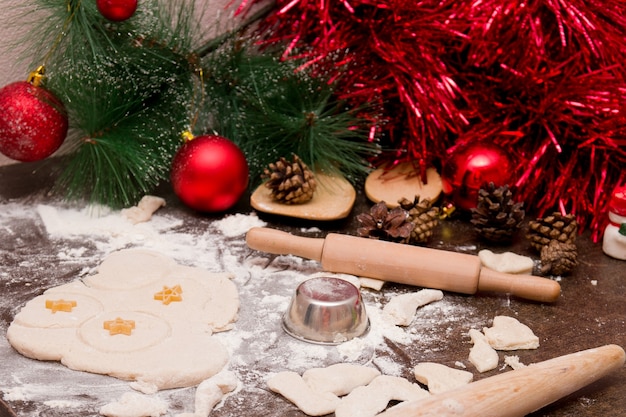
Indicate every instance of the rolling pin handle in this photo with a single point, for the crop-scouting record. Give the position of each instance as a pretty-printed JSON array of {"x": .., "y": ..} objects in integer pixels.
[{"x": 525, "y": 286}]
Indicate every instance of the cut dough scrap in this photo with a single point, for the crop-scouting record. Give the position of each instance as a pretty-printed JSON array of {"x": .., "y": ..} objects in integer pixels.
[
  {"x": 144, "y": 210},
  {"x": 401, "y": 309},
  {"x": 507, "y": 333},
  {"x": 372, "y": 283},
  {"x": 340, "y": 378},
  {"x": 482, "y": 355},
  {"x": 367, "y": 401},
  {"x": 210, "y": 392},
  {"x": 440, "y": 378},
  {"x": 508, "y": 262},
  {"x": 132, "y": 404},
  {"x": 291, "y": 386},
  {"x": 514, "y": 362},
  {"x": 169, "y": 345}
]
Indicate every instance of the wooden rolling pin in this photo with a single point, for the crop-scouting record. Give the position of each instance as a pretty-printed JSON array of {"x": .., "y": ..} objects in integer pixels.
[
  {"x": 520, "y": 392},
  {"x": 401, "y": 263}
]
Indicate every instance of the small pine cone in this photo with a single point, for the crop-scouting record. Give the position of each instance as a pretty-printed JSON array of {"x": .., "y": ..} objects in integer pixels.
[
  {"x": 423, "y": 215},
  {"x": 382, "y": 223},
  {"x": 496, "y": 216},
  {"x": 558, "y": 258},
  {"x": 562, "y": 228},
  {"x": 290, "y": 183}
]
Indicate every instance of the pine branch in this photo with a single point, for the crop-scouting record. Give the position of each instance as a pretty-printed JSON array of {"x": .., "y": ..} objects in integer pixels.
[{"x": 271, "y": 109}]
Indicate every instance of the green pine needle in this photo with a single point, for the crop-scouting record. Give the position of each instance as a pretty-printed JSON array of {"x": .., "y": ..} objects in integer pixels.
[{"x": 272, "y": 110}]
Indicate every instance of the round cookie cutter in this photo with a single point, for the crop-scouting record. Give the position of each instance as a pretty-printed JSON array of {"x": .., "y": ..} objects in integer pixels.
[{"x": 326, "y": 310}]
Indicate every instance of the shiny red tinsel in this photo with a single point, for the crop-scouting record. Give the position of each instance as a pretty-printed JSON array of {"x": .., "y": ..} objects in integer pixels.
[{"x": 544, "y": 79}]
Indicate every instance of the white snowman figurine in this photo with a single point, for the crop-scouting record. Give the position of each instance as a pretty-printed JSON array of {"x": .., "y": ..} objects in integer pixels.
[{"x": 614, "y": 241}]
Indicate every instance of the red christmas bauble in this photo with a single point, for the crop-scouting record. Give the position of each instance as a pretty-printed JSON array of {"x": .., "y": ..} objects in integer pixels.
[
  {"x": 117, "y": 10},
  {"x": 33, "y": 122},
  {"x": 209, "y": 173},
  {"x": 470, "y": 167}
]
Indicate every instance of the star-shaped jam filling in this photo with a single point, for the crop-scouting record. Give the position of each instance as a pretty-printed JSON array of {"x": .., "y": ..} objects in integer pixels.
[
  {"x": 60, "y": 305},
  {"x": 169, "y": 294},
  {"x": 119, "y": 326}
]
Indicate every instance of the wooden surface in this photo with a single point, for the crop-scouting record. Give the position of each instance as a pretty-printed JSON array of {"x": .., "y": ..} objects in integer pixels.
[{"x": 591, "y": 311}]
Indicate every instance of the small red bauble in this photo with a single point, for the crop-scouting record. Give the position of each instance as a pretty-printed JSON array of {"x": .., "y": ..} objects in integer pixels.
[
  {"x": 33, "y": 122},
  {"x": 209, "y": 173},
  {"x": 117, "y": 10},
  {"x": 470, "y": 167}
]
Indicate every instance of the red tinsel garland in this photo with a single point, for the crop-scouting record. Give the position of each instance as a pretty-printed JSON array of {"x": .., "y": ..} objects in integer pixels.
[{"x": 545, "y": 79}]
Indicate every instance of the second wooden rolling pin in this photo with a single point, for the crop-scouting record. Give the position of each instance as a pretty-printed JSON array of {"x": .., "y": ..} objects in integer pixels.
[
  {"x": 518, "y": 393},
  {"x": 402, "y": 263}
]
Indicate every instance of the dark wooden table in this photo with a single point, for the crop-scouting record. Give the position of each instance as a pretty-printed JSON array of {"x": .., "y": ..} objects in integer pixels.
[{"x": 590, "y": 312}]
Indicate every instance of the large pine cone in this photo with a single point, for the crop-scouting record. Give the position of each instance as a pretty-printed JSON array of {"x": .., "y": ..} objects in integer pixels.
[
  {"x": 290, "y": 183},
  {"x": 496, "y": 216},
  {"x": 423, "y": 215},
  {"x": 558, "y": 258},
  {"x": 382, "y": 223},
  {"x": 562, "y": 228}
]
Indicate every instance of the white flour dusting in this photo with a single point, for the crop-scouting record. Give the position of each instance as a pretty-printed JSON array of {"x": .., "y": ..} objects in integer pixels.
[{"x": 258, "y": 345}]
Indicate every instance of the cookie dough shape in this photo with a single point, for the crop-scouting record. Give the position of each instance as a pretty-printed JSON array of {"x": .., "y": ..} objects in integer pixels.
[
  {"x": 169, "y": 345},
  {"x": 401, "y": 309},
  {"x": 292, "y": 386},
  {"x": 507, "y": 333},
  {"x": 482, "y": 355},
  {"x": 340, "y": 378},
  {"x": 369, "y": 400},
  {"x": 440, "y": 378},
  {"x": 507, "y": 262}
]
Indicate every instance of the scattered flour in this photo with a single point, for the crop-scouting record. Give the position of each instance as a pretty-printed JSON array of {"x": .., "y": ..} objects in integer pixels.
[{"x": 83, "y": 237}]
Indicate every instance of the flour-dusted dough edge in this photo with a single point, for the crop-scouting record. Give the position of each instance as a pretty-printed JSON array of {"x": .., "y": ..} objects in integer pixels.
[
  {"x": 401, "y": 309},
  {"x": 507, "y": 333},
  {"x": 369, "y": 400},
  {"x": 132, "y": 404},
  {"x": 507, "y": 262},
  {"x": 482, "y": 355},
  {"x": 340, "y": 378},
  {"x": 291, "y": 386},
  {"x": 441, "y": 378}
]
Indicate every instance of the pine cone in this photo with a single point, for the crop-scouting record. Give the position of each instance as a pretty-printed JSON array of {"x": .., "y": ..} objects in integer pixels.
[
  {"x": 290, "y": 183},
  {"x": 424, "y": 217},
  {"x": 558, "y": 258},
  {"x": 382, "y": 223},
  {"x": 496, "y": 216},
  {"x": 554, "y": 227}
]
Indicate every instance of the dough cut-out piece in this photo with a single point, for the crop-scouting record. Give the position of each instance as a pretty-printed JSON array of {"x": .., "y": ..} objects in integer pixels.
[
  {"x": 507, "y": 333},
  {"x": 170, "y": 346},
  {"x": 513, "y": 362},
  {"x": 340, "y": 378},
  {"x": 401, "y": 309},
  {"x": 369, "y": 400},
  {"x": 210, "y": 392},
  {"x": 441, "y": 378},
  {"x": 508, "y": 262},
  {"x": 482, "y": 355},
  {"x": 132, "y": 404},
  {"x": 291, "y": 386},
  {"x": 144, "y": 210}
]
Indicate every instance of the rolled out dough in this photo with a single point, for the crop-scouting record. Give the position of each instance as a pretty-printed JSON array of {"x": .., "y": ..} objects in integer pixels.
[{"x": 161, "y": 317}]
